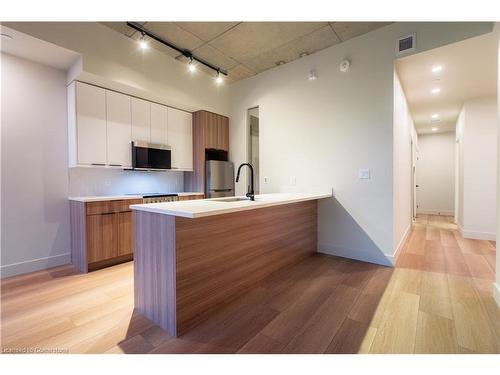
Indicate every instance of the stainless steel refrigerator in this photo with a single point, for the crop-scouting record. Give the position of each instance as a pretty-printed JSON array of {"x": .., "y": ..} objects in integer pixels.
[{"x": 219, "y": 179}]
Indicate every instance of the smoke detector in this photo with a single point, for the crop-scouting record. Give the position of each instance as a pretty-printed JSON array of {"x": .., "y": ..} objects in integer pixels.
[{"x": 345, "y": 65}]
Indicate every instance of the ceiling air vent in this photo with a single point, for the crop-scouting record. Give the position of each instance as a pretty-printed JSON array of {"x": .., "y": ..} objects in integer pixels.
[{"x": 406, "y": 44}]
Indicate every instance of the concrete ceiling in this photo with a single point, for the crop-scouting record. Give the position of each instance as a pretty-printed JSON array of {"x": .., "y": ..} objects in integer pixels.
[
  {"x": 244, "y": 49},
  {"x": 30, "y": 48},
  {"x": 469, "y": 70}
]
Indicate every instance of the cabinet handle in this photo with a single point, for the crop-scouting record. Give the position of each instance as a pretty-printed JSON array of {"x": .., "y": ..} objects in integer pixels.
[
  {"x": 100, "y": 164},
  {"x": 116, "y": 165}
]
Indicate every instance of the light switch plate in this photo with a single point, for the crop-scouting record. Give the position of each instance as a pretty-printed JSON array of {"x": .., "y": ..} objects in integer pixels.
[
  {"x": 364, "y": 174},
  {"x": 266, "y": 180}
]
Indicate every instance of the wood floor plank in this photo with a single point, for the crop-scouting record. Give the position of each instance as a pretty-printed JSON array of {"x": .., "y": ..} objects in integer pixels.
[
  {"x": 398, "y": 330},
  {"x": 316, "y": 335},
  {"x": 435, "y": 335},
  {"x": 353, "y": 337}
]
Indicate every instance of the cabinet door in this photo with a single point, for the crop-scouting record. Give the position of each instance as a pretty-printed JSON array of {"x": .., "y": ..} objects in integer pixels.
[
  {"x": 90, "y": 124},
  {"x": 124, "y": 233},
  {"x": 210, "y": 120},
  {"x": 180, "y": 138},
  {"x": 223, "y": 133},
  {"x": 141, "y": 120},
  {"x": 159, "y": 124},
  {"x": 119, "y": 133},
  {"x": 102, "y": 237}
]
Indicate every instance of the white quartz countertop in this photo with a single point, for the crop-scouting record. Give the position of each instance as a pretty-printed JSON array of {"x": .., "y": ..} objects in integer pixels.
[
  {"x": 217, "y": 206},
  {"x": 100, "y": 198}
]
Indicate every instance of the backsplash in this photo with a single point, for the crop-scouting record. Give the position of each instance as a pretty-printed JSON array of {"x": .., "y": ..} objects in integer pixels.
[{"x": 107, "y": 181}]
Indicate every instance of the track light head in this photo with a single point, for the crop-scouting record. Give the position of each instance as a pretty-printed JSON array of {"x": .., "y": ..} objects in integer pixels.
[
  {"x": 218, "y": 78},
  {"x": 191, "y": 65},
  {"x": 143, "y": 43}
]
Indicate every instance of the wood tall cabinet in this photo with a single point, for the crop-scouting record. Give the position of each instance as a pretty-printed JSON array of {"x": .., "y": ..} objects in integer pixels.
[
  {"x": 210, "y": 131},
  {"x": 101, "y": 233}
]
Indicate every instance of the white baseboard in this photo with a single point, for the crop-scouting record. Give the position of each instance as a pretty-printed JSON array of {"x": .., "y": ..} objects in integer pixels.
[
  {"x": 356, "y": 254},
  {"x": 477, "y": 235},
  {"x": 34, "y": 265},
  {"x": 435, "y": 212},
  {"x": 400, "y": 245},
  {"x": 496, "y": 293}
]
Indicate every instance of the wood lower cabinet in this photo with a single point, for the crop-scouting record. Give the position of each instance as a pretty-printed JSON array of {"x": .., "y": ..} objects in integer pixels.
[
  {"x": 101, "y": 233},
  {"x": 191, "y": 197}
]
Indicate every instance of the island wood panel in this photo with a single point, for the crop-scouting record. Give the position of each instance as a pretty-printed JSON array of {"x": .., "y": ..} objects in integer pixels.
[
  {"x": 154, "y": 268},
  {"x": 222, "y": 256}
]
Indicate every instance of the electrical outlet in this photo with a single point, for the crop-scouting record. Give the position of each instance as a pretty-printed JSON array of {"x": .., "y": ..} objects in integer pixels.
[
  {"x": 364, "y": 174},
  {"x": 293, "y": 181}
]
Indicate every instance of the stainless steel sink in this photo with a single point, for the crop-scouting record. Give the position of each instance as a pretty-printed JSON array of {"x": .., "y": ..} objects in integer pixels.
[{"x": 231, "y": 199}]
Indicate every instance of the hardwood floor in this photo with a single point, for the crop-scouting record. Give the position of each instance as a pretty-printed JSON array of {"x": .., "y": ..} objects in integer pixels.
[{"x": 438, "y": 299}]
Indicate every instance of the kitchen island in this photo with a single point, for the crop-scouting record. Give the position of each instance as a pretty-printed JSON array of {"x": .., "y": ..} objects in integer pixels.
[{"x": 192, "y": 257}]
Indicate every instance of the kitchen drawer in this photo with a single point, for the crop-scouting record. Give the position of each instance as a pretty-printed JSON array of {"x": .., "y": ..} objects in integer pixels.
[{"x": 106, "y": 207}]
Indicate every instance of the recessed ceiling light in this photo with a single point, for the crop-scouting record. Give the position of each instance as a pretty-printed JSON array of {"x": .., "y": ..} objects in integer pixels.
[
  {"x": 6, "y": 36},
  {"x": 434, "y": 129},
  {"x": 437, "y": 69},
  {"x": 435, "y": 115},
  {"x": 436, "y": 90}
]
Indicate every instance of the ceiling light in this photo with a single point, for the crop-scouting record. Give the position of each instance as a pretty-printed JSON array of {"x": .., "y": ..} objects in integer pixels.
[
  {"x": 436, "y": 90},
  {"x": 143, "y": 43},
  {"x": 218, "y": 78},
  {"x": 437, "y": 69},
  {"x": 435, "y": 115},
  {"x": 191, "y": 65},
  {"x": 434, "y": 129},
  {"x": 6, "y": 36}
]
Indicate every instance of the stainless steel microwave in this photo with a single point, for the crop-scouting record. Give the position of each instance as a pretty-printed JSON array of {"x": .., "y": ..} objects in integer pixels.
[{"x": 150, "y": 156}]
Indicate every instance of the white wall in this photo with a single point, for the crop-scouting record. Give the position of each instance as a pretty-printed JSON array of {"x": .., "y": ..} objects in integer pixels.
[
  {"x": 477, "y": 136},
  {"x": 403, "y": 136},
  {"x": 35, "y": 216},
  {"x": 321, "y": 132},
  {"x": 112, "y": 60},
  {"x": 436, "y": 174}
]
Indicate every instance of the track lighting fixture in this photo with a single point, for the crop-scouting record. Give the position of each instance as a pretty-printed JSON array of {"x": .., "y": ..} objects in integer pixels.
[{"x": 193, "y": 60}]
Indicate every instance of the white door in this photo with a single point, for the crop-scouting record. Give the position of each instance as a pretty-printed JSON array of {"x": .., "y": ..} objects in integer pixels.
[
  {"x": 141, "y": 120},
  {"x": 180, "y": 138},
  {"x": 119, "y": 134},
  {"x": 159, "y": 124},
  {"x": 91, "y": 124}
]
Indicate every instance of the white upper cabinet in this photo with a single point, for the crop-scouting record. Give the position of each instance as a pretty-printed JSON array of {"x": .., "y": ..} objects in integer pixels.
[
  {"x": 159, "y": 124},
  {"x": 141, "y": 120},
  {"x": 90, "y": 123},
  {"x": 102, "y": 123},
  {"x": 119, "y": 133},
  {"x": 180, "y": 138}
]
